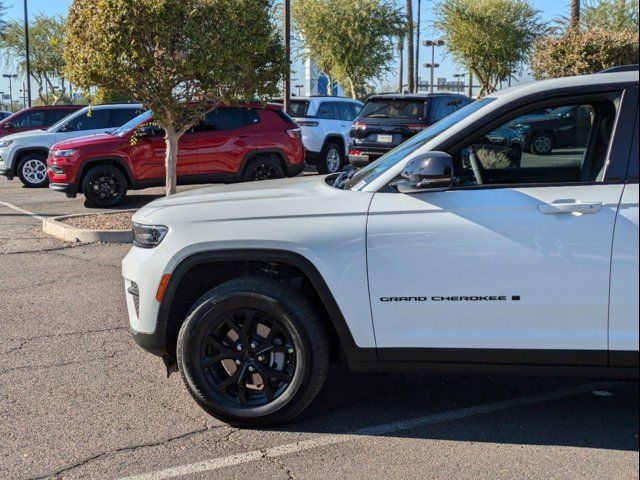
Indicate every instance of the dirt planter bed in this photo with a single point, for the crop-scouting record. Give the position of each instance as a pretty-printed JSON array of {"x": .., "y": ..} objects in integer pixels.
[{"x": 91, "y": 228}]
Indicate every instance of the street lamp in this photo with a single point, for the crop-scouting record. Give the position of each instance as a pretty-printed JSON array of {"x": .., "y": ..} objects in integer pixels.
[
  {"x": 28, "y": 53},
  {"x": 2, "y": 100},
  {"x": 299, "y": 87},
  {"x": 11, "y": 77},
  {"x": 459, "y": 76},
  {"x": 432, "y": 67},
  {"x": 433, "y": 44}
]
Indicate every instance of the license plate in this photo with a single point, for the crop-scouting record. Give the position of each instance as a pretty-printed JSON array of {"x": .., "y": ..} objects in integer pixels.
[{"x": 385, "y": 138}]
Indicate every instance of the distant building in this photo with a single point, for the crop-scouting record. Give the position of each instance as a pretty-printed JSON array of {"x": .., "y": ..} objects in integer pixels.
[{"x": 315, "y": 82}]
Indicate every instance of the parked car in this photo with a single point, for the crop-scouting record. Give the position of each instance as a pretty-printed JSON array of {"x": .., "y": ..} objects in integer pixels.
[
  {"x": 325, "y": 124},
  {"x": 562, "y": 127},
  {"x": 35, "y": 118},
  {"x": 231, "y": 144},
  {"x": 4, "y": 114},
  {"x": 387, "y": 120},
  {"x": 503, "y": 145},
  {"x": 416, "y": 262},
  {"x": 25, "y": 154}
]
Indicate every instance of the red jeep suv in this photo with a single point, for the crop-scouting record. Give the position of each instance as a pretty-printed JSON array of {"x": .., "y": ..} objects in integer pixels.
[{"x": 230, "y": 144}]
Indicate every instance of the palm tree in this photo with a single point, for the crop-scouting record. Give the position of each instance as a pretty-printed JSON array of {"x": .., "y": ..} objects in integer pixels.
[
  {"x": 574, "y": 15},
  {"x": 401, "y": 66},
  {"x": 411, "y": 77}
]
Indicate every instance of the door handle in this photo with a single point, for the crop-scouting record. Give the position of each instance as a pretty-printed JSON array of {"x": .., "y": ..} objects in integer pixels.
[{"x": 573, "y": 208}]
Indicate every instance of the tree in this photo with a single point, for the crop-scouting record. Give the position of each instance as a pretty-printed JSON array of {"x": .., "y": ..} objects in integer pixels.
[
  {"x": 3, "y": 22},
  {"x": 582, "y": 53},
  {"x": 610, "y": 15},
  {"x": 491, "y": 38},
  {"x": 411, "y": 73},
  {"x": 46, "y": 36},
  {"x": 179, "y": 58},
  {"x": 352, "y": 41},
  {"x": 574, "y": 15}
]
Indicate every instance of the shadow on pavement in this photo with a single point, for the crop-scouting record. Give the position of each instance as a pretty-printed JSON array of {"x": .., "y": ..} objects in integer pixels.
[{"x": 350, "y": 401}]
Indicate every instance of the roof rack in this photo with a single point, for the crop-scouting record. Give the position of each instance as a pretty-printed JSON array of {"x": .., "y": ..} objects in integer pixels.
[{"x": 621, "y": 68}]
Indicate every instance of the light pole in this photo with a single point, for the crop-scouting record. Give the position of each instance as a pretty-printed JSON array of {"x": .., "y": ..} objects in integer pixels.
[
  {"x": 287, "y": 51},
  {"x": 299, "y": 87},
  {"x": 2, "y": 100},
  {"x": 459, "y": 85},
  {"x": 431, "y": 66},
  {"x": 433, "y": 44},
  {"x": 11, "y": 77},
  {"x": 28, "y": 53}
]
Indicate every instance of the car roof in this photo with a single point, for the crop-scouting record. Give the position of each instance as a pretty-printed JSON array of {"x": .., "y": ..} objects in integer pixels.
[
  {"x": 414, "y": 96},
  {"x": 325, "y": 97}
]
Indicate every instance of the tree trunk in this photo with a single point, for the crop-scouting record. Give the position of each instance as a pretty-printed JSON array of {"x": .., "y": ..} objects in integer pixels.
[
  {"x": 401, "y": 66},
  {"x": 352, "y": 88},
  {"x": 171, "y": 160},
  {"x": 411, "y": 79},
  {"x": 574, "y": 16}
]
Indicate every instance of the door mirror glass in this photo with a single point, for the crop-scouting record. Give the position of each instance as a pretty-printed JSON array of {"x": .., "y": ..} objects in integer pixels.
[{"x": 429, "y": 171}]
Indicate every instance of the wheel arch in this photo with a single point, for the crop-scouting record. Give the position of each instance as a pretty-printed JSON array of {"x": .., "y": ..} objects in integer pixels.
[
  {"x": 200, "y": 272},
  {"x": 339, "y": 139},
  {"x": 119, "y": 163},
  {"x": 20, "y": 154},
  {"x": 274, "y": 153}
]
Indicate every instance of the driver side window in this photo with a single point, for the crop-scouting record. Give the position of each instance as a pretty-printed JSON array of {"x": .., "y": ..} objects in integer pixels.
[{"x": 559, "y": 144}]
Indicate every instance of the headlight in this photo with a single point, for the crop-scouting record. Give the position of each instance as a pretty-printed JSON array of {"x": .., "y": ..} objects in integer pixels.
[
  {"x": 64, "y": 153},
  {"x": 5, "y": 143},
  {"x": 148, "y": 236}
]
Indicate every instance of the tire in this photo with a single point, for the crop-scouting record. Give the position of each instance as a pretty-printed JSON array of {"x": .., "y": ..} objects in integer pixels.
[
  {"x": 332, "y": 159},
  {"x": 263, "y": 169},
  {"x": 216, "y": 368},
  {"x": 104, "y": 186},
  {"x": 32, "y": 171},
  {"x": 542, "y": 143}
]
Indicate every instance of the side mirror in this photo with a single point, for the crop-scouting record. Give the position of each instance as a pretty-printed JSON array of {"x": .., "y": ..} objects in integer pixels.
[
  {"x": 66, "y": 128},
  {"x": 430, "y": 171},
  {"x": 148, "y": 131},
  {"x": 9, "y": 125}
]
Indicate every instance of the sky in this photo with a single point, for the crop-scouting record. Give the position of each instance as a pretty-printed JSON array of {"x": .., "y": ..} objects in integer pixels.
[{"x": 549, "y": 9}]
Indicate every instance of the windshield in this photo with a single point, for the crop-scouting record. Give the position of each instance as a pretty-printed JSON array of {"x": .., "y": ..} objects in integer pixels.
[
  {"x": 393, "y": 109},
  {"x": 54, "y": 128},
  {"x": 372, "y": 171},
  {"x": 133, "y": 123}
]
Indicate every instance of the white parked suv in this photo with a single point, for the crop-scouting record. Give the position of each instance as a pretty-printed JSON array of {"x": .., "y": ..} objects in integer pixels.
[
  {"x": 325, "y": 123},
  {"x": 441, "y": 256},
  {"x": 25, "y": 154}
]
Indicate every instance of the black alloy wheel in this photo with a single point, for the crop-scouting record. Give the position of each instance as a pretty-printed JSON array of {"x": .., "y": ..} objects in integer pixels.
[
  {"x": 253, "y": 352},
  {"x": 104, "y": 186},
  {"x": 263, "y": 169}
]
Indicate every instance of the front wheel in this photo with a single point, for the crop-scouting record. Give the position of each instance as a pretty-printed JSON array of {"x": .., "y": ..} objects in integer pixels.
[
  {"x": 32, "y": 171},
  {"x": 542, "y": 143},
  {"x": 104, "y": 186},
  {"x": 253, "y": 352}
]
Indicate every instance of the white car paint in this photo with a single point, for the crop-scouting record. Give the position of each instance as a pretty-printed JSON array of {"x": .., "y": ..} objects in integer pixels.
[{"x": 370, "y": 244}]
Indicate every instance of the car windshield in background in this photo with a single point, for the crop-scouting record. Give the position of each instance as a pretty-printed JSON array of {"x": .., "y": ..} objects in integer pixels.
[
  {"x": 372, "y": 171},
  {"x": 131, "y": 124},
  {"x": 393, "y": 109}
]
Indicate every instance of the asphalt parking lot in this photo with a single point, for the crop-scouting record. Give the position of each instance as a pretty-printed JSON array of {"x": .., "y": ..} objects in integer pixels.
[{"x": 78, "y": 399}]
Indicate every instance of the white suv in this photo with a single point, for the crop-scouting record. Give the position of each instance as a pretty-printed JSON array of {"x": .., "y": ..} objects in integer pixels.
[
  {"x": 443, "y": 255},
  {"x": 25, "y": 154},
  {"x": 325, "y": 123}
]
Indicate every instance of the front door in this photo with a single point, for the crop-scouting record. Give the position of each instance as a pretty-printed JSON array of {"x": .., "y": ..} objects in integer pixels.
[{"x": 513, "y": 266}]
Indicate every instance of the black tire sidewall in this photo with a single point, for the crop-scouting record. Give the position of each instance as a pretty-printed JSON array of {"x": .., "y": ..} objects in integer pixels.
[
  {"x": 96, "y": 170},
  {"x": 308, "y": 365},
  {"x": 21, "y": 176},
  {"x": 257, "y": 162},
  {"x": 323, "y": 167}
]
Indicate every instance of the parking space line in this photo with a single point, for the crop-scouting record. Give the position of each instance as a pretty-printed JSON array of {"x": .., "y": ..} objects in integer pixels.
[
  {"x": 387, "y": 428},
  {"x": 21, "y": 210}
]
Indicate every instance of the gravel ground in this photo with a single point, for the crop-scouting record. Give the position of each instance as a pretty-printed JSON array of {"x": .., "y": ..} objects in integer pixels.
[{"x": 102, "y": 221}]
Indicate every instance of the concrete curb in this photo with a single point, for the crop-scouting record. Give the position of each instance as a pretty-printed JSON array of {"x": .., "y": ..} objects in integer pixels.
[{"x": 55, "y": 228}]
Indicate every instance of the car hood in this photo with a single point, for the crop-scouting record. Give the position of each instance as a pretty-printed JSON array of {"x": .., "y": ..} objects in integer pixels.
[
  {"x": 295, "y": 197},
  {"x": 99, "y": 138},
  {"x": 27, "y": 135}
]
